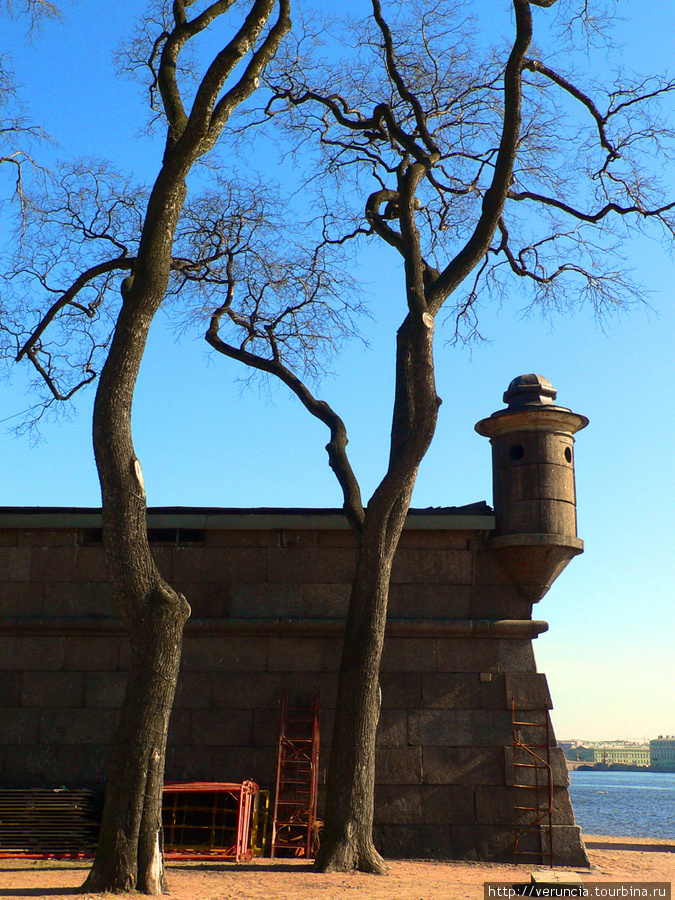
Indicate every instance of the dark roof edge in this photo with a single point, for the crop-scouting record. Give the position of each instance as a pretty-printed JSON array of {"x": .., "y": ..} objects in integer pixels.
[{"x": 474, "y": 516}]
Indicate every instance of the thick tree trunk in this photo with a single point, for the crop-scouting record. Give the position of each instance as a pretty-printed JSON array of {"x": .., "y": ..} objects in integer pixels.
[
  {"x": 129, "y": 854},
  {"x": 347, "y": 839}
]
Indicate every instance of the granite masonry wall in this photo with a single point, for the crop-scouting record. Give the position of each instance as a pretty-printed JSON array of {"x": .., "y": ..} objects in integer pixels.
[{"x": 268, "y": 606}]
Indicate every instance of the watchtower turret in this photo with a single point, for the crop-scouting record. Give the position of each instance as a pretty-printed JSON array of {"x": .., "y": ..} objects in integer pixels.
[{"x": 533, "y": 484}]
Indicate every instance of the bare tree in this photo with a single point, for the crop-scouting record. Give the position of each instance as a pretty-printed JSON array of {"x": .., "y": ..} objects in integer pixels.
[
  {"x": 139, "y": 232},
  {"x": 476, "y": 178}
]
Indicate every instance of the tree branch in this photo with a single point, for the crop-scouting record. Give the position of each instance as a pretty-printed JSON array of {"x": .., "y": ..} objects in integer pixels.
[
  {"x": 495, "y": 197},
  {"x": 337, "y": 446}
]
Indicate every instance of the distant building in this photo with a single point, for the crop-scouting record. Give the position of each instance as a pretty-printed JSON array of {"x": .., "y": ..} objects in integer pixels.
[
  {"x": 577, "y": 752},
  {"x": 662, "y": 751},
  {"x": 628, "y": 754}
]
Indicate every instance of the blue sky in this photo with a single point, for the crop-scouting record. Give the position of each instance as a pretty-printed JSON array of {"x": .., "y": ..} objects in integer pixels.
[{"x": 205, "y": 440}]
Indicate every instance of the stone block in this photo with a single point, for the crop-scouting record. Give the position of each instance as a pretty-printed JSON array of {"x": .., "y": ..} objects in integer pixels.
[
  {"x": 528, "y": 776},
  {"x": 459, "y": 727},
  {"x": 398, "y": 765},
  {"x": 488, "y": 571},
  {"x": 466, "y": 766},
  {"x": 458, "y": 654},
  {"x": 180, "y": 728},
  {"x": 516, "y": 656},
  {"x": 224, "y": 654},
  {"x": 53, "y": 689},
  {"x": 222, "y": 728},
  {"x": 20, "y": 598},
  {"x": 242, "y": 537},
  {"x": 447, "y": 804},
  {"x": 502, "y": 601},
  {"x": 413, "y": 841},
  {"x": 533, "y": 732},
  {"x": 295, "y": 654},
  {"x": 259, "y": 601},
  {"x": 105, "y": 689},
  {"x": 321, "y": 565},
  {"x": 329, "y": 601},
  {"x": 15, "y": 563},
  {"x": 64, "y": 564},
  {"x": 401, "y": 690},
  {"x": 29, "y": 653},
  {"x": 11, "y": 686},
  {"x": 125, "y": 654},
  {"x": 92, "y": 654},
  {"x": 423, "y": 805},
  {"x": 327, "y": 724},
  {"x": 193, "y": 690},
  {"x": 432, "y": 567},
  {"x": 342, "y": 538},
  {"x": 541, "y": 481},
  {"x": 429, "y": 601},
  {"x": 163, "y": 558},
  {"x": 191, "y": 764},
  {"x": 238, "y": 764},
  {"x": 332, "y": 654},
  {"x": 9, "y": 537},
  {"x": 493, "y": 691},
  {"x": 403, "y": 654},
  {"x": 219, "y": 564},
  {"x": 496, "y": 805},
  {"x": 451, "y": 690},
  {"x": 325, "y": 683},
  {"x": 77, "y": 726},
  {"x": 492, "y": 843},
  {"x": 79, "y": 599},
  {"x": 298, "y": 537},
  {"x": 558, "y": 517},
  {"x": 266, "y": 728},
  {"x": 528, "y": 690},
  {"x": 252, "y": 690},
  {"x": 398, "y": 804},
  {"x": 206, "y": 599},
  {"x": 432, "y": 539},
  {"x": 56, "y": 766},
  {"x": 19, "y": 726},
  {"x": 44, "y": 537},
  {"x": 392, "y": 730},
  {"x": 568, "y": 846}
]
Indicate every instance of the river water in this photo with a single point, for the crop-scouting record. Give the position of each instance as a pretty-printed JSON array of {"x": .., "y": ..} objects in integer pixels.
[{"x": 625, "y": 804}]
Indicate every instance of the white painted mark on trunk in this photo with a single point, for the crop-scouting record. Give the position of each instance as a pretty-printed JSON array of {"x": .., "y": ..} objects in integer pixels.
[{"x": 138, "y": 472}]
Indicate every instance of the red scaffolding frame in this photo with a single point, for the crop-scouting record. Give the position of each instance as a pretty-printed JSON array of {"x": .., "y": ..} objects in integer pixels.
[
  {"x": 208, "y": 818},
  {"x": 297, "y": 779}
]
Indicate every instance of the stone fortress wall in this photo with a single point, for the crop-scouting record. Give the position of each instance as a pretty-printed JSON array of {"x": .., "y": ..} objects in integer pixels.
[{"x": 269, "y": 591}]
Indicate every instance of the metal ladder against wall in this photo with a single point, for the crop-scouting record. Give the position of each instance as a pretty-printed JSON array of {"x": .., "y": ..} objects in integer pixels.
[
  {"x": 297, "y": 779},
  {"x": 533, "y": 789}
]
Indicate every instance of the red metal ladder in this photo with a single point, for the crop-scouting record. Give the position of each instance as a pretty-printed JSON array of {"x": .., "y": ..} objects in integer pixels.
[
  {"x": 297, "y": 779},
  {"x": 533, "y": 796}
]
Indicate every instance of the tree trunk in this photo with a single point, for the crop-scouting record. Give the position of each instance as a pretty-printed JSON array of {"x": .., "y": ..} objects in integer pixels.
[
  {"x": 129, "y": 854},
  {"x": 347, "y": 839}
]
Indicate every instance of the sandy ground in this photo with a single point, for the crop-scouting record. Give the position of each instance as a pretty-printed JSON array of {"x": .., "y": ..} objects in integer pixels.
[{"x": 613, "y": 859}]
